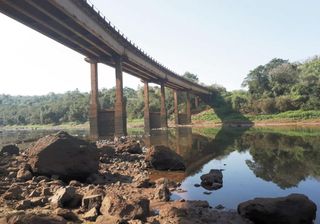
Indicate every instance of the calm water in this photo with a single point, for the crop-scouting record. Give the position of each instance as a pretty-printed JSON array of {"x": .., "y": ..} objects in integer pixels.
[{"x": 257, "y": 162}]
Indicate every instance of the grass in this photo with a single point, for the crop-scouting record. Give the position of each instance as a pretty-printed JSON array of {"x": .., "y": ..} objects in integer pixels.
[{"x": 288, "y": 116}]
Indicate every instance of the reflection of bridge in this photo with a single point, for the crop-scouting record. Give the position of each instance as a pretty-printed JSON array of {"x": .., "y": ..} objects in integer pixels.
[{"x": 76, "y": 24}]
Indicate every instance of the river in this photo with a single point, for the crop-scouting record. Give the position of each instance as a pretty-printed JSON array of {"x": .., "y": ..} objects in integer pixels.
[{"x": 256, "y": 162}]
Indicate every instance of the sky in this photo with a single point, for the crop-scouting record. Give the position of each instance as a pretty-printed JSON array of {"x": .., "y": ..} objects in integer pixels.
[{"x": 218, "y": 40}]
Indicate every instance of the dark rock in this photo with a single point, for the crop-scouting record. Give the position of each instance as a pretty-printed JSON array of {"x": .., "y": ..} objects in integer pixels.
[
  {"x": 13, "y": 193},
  {"x": 293, "y": 209},
  {"x": 23, "y": 205},
  {"x": 219, "y": 207},
  {"x": 212, "y": 180},
  {"x": 63, "y": 155},
  {"x": 10, "y": 150},
  {"x": 116, "y": 206},
  {"x": 163, "y": 158}
]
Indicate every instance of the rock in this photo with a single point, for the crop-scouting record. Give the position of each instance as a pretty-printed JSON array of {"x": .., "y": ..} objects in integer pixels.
[
  {"x": 173, "y": 212},
  {"x": 92, "y": 201},
  {"x": 212, "y": 180},
  {"x": 115, "y": 206},
  {"x": 34, "y": 193},
  {"x": 63, "y": 155},
  {"x": 46, "y": 191},
  {"x": 66, "y": 214},
  {"x": 32, "y": 219},
  {"x": 141, "y": 181},
  {"x": 219, "y": 207},
  {"x": 13, "y": 193},
  {"x": 10, "y": 150},
  {"x": 23, "y": 205},
  {"x": 293, "y": 209},
  {"x": 132, "y": 147},
  {"x": 24, "y": 174},
  {"x": 74, "y": 183},
  {"x": 163, "y": 158},
  {"x": 65, "y": 198},
  {"x": 162, "y": 193},
  {"x": 96, "y": 178},
  {"x": 91, "y": 215}
]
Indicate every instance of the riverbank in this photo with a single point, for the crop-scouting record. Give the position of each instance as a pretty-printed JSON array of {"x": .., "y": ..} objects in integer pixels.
[
  {"x": 208, "y": 118},
  {"x": 120, "y": 190}
]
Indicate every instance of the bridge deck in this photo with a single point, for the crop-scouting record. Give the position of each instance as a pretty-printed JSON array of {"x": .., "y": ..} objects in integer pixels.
[{"x": 76, "y": 24}]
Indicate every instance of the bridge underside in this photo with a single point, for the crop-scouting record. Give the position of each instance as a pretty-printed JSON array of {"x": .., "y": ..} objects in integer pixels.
[{"x": 75, "y": 24}]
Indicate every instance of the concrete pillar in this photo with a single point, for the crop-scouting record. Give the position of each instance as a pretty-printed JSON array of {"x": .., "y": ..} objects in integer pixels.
[
  {"x": 119, "y": 110},
  {"x": 176, "y": 109},
  {"x": 196, "y": 102},
  {"x": 188, "y": 108},
  {"x": 163, "y": 111},
  {"x": 94, "y": 101},
  {"x": 146, "y": 109}
]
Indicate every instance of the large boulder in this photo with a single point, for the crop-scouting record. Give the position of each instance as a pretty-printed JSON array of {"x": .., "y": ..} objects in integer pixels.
[
  {"x": 212, "y": 180},
  {"x": 63, "y": 155},
  {"x": 10, "y": 150},
  {"x": 163, "y": 158},
  {"x": 293, "y": 209}
]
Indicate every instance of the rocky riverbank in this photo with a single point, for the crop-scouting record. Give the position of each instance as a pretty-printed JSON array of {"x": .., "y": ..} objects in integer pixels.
[{"x": 61, "y": 179}]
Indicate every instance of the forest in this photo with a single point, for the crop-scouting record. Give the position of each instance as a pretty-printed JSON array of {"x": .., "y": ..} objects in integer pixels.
[{"x": 278, "y": 86}]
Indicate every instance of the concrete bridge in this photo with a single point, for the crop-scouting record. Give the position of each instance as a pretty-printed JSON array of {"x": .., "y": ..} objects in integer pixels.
[{"x": 79, "y": 26}]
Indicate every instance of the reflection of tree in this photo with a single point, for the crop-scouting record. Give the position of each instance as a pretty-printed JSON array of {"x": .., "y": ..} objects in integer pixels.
[{"x": 282, "y": 159}]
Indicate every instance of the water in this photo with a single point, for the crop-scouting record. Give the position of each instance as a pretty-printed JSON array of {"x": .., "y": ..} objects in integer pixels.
[
  {"x": 256, "y": 162},
  {"x": 261, "y": 162}
]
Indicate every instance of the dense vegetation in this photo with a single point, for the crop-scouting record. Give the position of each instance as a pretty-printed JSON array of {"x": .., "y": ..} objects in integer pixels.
[
  {"x": 279, "y": 86},
  {"x": 73, "y": 106},
  {"x": 279, "y": 89}
]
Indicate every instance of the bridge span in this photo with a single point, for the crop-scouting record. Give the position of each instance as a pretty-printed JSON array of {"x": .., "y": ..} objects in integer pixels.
[{"x": 79, "y": 26}]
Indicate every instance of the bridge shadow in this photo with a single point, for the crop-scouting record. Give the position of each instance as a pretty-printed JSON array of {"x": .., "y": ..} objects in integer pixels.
[{"x": 225, "y": 112}]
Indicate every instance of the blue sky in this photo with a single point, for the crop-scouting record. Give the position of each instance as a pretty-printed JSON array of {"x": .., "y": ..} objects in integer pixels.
[{"x": 219, "y": 40}]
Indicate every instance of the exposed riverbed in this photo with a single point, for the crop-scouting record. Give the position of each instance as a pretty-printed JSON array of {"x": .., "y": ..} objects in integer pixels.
[{"x": 255, "y": 162}]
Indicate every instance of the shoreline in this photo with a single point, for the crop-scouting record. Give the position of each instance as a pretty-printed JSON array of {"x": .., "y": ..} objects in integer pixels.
[{"x": 195, "y": 124}]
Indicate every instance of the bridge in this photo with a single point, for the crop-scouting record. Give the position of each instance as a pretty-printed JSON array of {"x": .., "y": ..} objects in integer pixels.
[{"x": 78, "y": 25}]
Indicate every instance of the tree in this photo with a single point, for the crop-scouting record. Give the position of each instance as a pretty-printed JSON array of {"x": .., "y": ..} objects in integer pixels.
[
  {"x": 191, "y": 77},
  {"x": 257, "y": 81}
]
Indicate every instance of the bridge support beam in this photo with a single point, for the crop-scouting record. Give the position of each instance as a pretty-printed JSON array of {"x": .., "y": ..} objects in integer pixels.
[
  {"x": 146, "y": 108},
  {"x": 120, "y": 123},
  {"x": 176, "y": 109},
  {"x": 163, "y": 111},
  {"x": 94, "y": 101},
  {"x": 188, "y": 108}
]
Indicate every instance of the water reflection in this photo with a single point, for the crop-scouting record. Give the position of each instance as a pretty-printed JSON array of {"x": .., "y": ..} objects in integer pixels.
[
  {"x": 285, "y": 160},
  {"x": 197, "y": 148}
]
